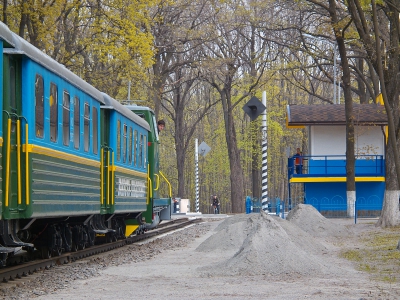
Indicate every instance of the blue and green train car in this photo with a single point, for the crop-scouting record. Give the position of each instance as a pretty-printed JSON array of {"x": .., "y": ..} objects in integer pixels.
[{"x": 75, "y": 166}]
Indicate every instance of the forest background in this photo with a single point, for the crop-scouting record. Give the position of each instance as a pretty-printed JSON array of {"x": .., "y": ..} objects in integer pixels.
[{"x": 197, "y": 63}]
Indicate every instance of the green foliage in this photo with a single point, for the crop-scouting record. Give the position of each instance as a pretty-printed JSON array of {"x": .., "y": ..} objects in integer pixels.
[{"x": 108, "y": 44}]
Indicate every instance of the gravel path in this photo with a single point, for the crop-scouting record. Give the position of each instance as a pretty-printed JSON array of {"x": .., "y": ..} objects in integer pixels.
[{"x": 254, "y": 256}]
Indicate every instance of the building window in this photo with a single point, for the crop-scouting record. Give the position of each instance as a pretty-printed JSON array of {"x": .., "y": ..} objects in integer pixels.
[
  {"x": 86, "y": 127},
  {"x": 53, "y": 112},
  {"x": 95, "y": 131},
  {"x": 77, "y": 122},
  {"x": 39, "y": 106},
  {"x": 66, "y": 118}
]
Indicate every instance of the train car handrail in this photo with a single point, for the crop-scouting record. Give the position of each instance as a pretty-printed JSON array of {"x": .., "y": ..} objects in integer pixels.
[
  {"x": 169, "y": 184},
  {"x": 157, "y": 182}
]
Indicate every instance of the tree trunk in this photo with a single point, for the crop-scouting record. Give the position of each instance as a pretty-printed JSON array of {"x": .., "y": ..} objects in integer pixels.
[
  {"x": 236, "y": 176},
  {"x": 157, "y": 85},
  {"x": 389, "y": 82},
  {"x": 390, "y": 215},
  {"x": 360, "y": 83},
  {"x": 5, "y": 3},
  {"x": 180, "y": 145},
  {"x": 350, "y": 160}
]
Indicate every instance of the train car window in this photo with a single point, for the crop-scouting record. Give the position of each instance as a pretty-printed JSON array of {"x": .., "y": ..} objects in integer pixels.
[
  {"x": 135, "y": 142},
  {"x": 144, "y": 151},
  {"x": 124, "y": 143},
  {"x": 118, "y": 140},
  {"x": 156, "y": 128},
  {"x": 140, "y": 154},
  {"x": 95, "y": 131},
  {"x": 39, "y": 106},
  {"x": 65, "y": 120},
  {"x": 53, "y": 112},
  {"x": 86, "y": 127},
  {"x": 77, "y": 123},
  {"x": 130, "y": 146}
]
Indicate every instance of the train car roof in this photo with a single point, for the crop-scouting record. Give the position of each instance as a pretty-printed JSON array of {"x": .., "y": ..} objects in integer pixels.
[
  {"x": 23, "y": 47},
  {"x": 132, "y": 106},
  {"x": 6, "y": 35},
  {"x": 111, "y": 103}
]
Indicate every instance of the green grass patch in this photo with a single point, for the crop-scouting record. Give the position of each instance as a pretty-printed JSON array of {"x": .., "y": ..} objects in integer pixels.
[
  {"x": 353, "y": 255},
  {"x": 378, "y": 254}
]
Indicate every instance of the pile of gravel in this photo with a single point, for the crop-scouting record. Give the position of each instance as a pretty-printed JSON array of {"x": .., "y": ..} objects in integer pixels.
[
  {"x": 310, "y": 220},
  {"x": 268, "y": 245}
]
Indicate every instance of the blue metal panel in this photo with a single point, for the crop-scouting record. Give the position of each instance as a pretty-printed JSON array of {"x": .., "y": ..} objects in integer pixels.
[
  {"x": 335, "y": 165},
  {"x": 327, "y": 167},
  {"x": 326, "y": 195},
  {"x": 332, "y": 195},
  {"x": 370, "y": 195},
  {"x": 162, "y": 202}
]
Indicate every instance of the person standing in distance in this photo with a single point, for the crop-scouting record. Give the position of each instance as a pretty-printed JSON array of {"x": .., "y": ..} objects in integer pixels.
[
  {"x": 215, "y": 204},
  {"x": 298, "y": 161}
]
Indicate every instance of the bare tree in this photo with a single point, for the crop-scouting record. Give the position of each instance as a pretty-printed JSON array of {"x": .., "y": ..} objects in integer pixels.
[
  {"x": 228, "y": 62},
  {"x": 176, "y": 88}
]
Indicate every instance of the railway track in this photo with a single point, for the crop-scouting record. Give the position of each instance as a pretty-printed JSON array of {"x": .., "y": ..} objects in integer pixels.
[{"x": 25, "y": 269}]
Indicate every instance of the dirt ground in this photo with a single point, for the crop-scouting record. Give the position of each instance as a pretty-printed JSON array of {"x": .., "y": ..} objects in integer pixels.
[{"x": 255, "y": 256}]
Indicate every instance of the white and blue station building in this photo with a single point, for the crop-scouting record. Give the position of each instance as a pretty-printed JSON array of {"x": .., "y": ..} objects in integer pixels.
[{"x": 323, "y": 176}]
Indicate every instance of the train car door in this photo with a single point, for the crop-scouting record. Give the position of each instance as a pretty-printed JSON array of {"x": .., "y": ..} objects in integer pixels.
[
  {"x": 1, "y": 127},
  {"x": 106, "y": 163},
  {"x": 13, "y": 201}
]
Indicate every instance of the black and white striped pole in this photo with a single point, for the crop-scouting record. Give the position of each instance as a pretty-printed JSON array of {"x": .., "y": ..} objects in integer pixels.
[
  {"x": 196, "y": 172},
  {"x": 264, "y": 148},
  {"x": 254, "y": 108}
]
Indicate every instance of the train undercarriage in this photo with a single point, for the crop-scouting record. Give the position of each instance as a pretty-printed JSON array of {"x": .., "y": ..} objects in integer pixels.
[{"x": 44, "y": 238}]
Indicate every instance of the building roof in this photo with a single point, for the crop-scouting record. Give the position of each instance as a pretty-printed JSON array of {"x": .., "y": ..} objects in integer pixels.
[{"x": 334, "y": 114}]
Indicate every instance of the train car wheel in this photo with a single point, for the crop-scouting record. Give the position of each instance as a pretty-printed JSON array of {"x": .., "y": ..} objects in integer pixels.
[
  {"x": 3, "y": 259},
  {"x": 74, "y": 247},
  {"x": 45, "y": 252},
  {"x": 57, "y": 251}
]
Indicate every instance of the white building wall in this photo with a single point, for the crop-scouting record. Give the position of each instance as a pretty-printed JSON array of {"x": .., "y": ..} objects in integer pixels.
[
  {"x": 331, "y": 140},
  {"x": 369, "y": 140}
]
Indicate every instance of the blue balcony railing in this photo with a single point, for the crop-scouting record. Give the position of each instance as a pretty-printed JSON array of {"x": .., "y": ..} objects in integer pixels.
[{"x": 335, "y": 166}]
